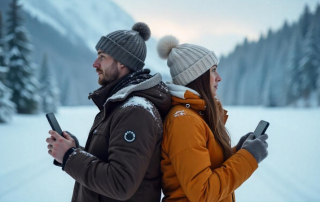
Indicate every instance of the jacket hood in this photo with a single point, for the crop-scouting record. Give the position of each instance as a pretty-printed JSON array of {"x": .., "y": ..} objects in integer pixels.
[
  {"x": 184, "y": 95},
  {"x": 152, "y": 89}
]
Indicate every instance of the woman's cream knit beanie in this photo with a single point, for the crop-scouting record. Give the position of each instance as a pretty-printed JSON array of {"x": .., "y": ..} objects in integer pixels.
[{"x": 186, "y": 61}]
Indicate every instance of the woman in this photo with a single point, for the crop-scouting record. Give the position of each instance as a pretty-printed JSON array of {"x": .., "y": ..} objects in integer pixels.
[{"x": 198, "y": 163}]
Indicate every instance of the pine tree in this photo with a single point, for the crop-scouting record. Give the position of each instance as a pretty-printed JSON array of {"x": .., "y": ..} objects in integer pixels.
[
  {"x": 49, "y": 91},
  {"x": 317, "y": 39},
  {"x": 317, "y": 30},
  {"x": 292, "y": 79},
  {"x": 259, "y": 72},
  {"x": 278, "y": 82},
  {"x": 305, "y": 21},
  {"x": 267, "y": 98},
  {"x": 7, "y": 107},
  {"x": 310, "y": 61},
  {"x": 21, "y": 74}
]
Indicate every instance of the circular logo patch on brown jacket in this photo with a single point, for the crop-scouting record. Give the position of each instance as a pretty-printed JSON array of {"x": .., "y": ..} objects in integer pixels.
[{"x": 129, "y": 136}]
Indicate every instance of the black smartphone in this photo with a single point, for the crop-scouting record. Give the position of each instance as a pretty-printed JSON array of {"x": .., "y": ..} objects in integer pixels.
[
  {"x": 54, "y": 123},
  {"x": 261, "y": 128}
]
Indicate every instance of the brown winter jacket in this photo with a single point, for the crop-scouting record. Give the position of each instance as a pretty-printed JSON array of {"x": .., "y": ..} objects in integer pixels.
[
  {"x": 121, "y": 159},
  {"x": 192, "y": 161}
]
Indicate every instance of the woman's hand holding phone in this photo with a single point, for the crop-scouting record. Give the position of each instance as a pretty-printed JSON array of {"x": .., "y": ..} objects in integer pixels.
[{"x": 257, "y": 146}]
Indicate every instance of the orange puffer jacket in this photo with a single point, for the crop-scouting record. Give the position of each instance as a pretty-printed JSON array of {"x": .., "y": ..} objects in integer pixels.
[{"x": 192, "y": 161}]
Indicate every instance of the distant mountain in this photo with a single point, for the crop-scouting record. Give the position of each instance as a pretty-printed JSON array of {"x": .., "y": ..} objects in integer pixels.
[
  {"x": 281, "y": 69},
  {"x": 68, "y": 32}
]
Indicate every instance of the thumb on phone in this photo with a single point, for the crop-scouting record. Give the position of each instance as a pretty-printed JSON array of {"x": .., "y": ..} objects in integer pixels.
[
  {"x": 251, "y": 137},
  {"x": 67, "y": 136}
]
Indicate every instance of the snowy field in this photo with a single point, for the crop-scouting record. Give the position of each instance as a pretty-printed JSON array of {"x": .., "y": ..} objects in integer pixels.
[{"x": 290, "y": 173}]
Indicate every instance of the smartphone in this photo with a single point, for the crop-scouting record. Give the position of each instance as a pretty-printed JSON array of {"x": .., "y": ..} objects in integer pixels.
[
  {"x": 261, "y": 128},
  {"x": 54, "y": 123}
]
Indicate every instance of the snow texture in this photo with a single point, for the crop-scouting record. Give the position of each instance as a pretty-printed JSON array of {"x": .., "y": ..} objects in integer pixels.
[
  {"x": 140, "y": 101},
  {"x": 289, "y": 173},
  {"x": 82, "y": 152},
  {"x": 3, "y": 69},
  {"x": 7, "y": 107},
  {"x": 86, "y": 153},
  {"x": 14, "y": 52}
]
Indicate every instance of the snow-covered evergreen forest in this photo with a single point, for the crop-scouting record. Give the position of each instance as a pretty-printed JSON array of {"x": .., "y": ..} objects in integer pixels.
[
  {"x": 7, "y": 107},
  {"x": 70, "y": 41},
  {"x": 280, "y": 69},
  {"x": 20, "y": 89}
]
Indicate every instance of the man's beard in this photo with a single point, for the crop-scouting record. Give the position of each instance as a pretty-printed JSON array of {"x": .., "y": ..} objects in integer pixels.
[{"x": 109, "y": 75}]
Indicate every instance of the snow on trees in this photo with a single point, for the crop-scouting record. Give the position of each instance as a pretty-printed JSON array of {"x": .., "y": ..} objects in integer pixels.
[
  {"x": 49, "y": 91},
  {"x": 292, "y": 69},
  {"x": 7, "y": 107},
  {"x": 317, "y": 40},
  {"x": 21, "y": 75},
  {"x": 282, "y": 68},
  {"x": 310, "y": 60}
]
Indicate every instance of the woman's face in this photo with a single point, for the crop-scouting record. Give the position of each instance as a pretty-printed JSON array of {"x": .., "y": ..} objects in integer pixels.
[{"x": 214, "y": 80}]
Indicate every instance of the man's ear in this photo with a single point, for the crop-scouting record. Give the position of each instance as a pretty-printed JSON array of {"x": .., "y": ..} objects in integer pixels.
[
  {"x": 121, "y": 66},
  {"x": 122, "y": 69}
]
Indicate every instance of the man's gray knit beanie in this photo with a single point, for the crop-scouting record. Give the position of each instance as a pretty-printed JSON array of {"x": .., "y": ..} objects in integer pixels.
[
  {"x": 127, "y": 46},
  {"x": 186, "y": 61}
]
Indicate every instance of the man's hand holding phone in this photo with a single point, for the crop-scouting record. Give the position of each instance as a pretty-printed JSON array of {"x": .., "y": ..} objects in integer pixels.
[
  {"x": 58, "y": 145},
  {"x": 59, "y": 142}
]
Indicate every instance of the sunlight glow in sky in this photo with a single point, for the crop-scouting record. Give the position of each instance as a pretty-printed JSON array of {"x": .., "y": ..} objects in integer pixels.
[{"x": 216, "y": 25}]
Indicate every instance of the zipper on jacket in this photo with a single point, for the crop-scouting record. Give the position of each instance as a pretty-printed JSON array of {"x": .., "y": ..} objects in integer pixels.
[{"x": 93, "y": 128}]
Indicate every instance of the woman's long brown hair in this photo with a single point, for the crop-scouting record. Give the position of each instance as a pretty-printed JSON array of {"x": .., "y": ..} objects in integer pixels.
[{"x": 213, "y": 115}]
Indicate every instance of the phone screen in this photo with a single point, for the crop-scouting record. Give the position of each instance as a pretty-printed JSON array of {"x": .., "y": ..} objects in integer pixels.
[
  {"x": 54, "y": 123},
  {"x": 261, "y": 128}
]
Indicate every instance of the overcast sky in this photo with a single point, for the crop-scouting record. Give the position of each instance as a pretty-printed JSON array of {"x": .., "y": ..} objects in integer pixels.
[{"x": 216, "y": 25}]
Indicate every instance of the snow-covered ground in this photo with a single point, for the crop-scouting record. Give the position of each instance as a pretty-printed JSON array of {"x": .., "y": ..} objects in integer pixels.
[{"x": 290, "y": 173}]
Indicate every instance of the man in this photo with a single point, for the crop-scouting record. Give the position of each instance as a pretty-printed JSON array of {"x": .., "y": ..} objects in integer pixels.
[{"x": 121, "y": 159}]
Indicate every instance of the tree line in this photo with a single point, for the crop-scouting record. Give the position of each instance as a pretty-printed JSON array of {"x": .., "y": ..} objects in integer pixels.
[
  {"x": 280, "y": 69},
  {"x": 24, "y": 87}
]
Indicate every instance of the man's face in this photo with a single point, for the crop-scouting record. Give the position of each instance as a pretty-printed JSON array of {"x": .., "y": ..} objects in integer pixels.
[{"x": 106, "y": 67}]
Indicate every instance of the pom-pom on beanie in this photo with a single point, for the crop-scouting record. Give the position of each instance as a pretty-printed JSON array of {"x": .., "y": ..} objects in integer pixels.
[
  {"x": 186, "y": 61},
  {"x": 127, "y": 46}
]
